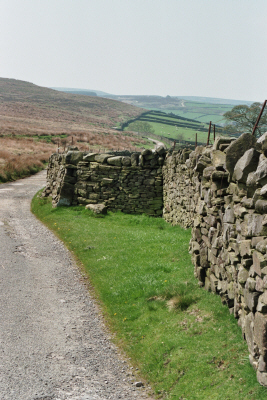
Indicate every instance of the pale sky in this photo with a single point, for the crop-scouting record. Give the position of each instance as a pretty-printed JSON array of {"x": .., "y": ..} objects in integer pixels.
[{"x": 213, "y": 48}]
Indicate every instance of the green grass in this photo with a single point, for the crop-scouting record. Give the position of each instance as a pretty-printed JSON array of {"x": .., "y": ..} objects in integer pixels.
[
  {"x": 188, "y": 131},
  {"x": 140, "y": 267},
  {"x": 174, "y": 132},
  {"x": 203, "y": 112},
  {"x": 46, "y": 138}
]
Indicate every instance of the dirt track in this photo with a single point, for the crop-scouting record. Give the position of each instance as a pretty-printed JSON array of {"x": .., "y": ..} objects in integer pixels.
[{"x": 53, "y": 344}]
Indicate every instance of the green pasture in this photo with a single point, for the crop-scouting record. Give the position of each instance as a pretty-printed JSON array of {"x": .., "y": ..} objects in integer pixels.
[{"x": 173, "y": 132}]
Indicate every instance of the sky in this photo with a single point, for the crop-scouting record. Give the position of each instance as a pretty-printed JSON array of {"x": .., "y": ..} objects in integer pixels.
[{"x": 210, "y": 48}]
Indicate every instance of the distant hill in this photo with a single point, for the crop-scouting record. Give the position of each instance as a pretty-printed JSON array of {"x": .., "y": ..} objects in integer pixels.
[
  {"x": 31, "y": 108},
  {"x": 215, "y": 100},
  {"x": 77, "y": 91},
  {"x": 83, "y": 91},
  {"x": 32, "y": 114},
  {"x": 201, "y": 109}
]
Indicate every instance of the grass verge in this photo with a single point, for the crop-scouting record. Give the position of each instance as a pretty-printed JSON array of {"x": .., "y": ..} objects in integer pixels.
[
  {"x": 183, "y": 340},
  {"x": 14, "y": 173}
]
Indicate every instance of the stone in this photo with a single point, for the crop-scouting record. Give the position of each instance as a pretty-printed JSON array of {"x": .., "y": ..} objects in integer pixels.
[
  {"x": 149, "y": 182},
  {"x": 135, "y": 159},
  {"x": 207, "y": 285},
  {"x": 185, "y": 155},
  {"x": 261, "y": 171},
  {"x": 90, "y": 157},
  {"x": 262, "y": 378},
  {"x": 261, "y": 206},
  {"x": 138, "y": 384},
  {"x": 221, "y": 140},
  {"x": 263, "y": 298},
  {"x": 260, "y": 331},
  {"x": 102, "y": 158},
  {"x": 262, "y": 139},
  {"x": 115, "y": 161},
  {"x": 256, "y": 240},
  {"x": 261, "y": 246},
  {"x": 253, "y": 225},
  {"x": 259, "y": 262},
  {"x": 232, "y": 188},
  {"x": 126, "y": 161},
  {"x": 245, "y": 248},
  {"x": 237, "y": 149},
  {"x": 249, "y": 325},
  {"x": 251, "y": 299},
  {"x": 219, "y": 175},
  {"x": 195, "y": 247},
  {"x": 259, "y": 284},
  {"x": 246, "y": 164},
  {"x": 202, "y": 163},
  {"x": 146, "y": 152},
  {"x": 208, "y": 171},
  {"x": 229, "y": 215},
  {"x": 231, "y": 290},
  {"x": 218, "y": 158},
  {"x": 239, "y": 211},
  {"x": 94, "y": 166},
  {"x": 97, "y": 208},
  {"x": 262, "y": 367},
  {"x": 262, "y": 142},
  {"x": 73, "y": 157},
  {"x": 107, "y": 181},
  {"x": 247, "y": 203},
  {"x": 250, "y": 284},
  {"x": 213, "y": 283},
  {"x": 203, "y": 257},
  {"x": 242, "y": 275},
  {"x": 251, "y": 180},
  {"x": 160, "y": 149},
  {"x": 263, "y": 191}
]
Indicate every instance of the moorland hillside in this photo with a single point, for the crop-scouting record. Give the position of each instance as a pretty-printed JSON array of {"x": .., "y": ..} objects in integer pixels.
[
  {"x": 28, "y": 108},
  {"x": 36, "y": 121}
]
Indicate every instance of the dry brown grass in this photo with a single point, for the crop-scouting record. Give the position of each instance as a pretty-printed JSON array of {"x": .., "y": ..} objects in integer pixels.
[
  {"x": 22, "y": 157},
  {"x": 27, "y": 109},
  {"x": 36, "y": 122}
]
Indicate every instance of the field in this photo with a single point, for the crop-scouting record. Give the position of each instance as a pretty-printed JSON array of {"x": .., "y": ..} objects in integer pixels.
[
  {"x": 200, "y": 110},
  {"x": 181, "y": 338},
  {"x": 203, "y": 112},
  {"x": 36, "y": 121},
  {"x": 175, "y": 127}
]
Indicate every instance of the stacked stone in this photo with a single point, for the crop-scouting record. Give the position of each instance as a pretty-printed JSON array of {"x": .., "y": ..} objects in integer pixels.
[
  {"x": 229, "y": 238},
  {"x": 62, "y": 176},
  {"x": 180, "y": 187},
  {"x": 131, "y": 183}
]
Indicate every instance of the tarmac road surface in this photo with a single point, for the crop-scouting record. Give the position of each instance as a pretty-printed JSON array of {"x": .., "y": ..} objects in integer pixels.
[{"x": 53, "y": 344}]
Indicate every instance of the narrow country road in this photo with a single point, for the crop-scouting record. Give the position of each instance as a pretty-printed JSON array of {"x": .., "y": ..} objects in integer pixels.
[{"x": 53, "y": 345}]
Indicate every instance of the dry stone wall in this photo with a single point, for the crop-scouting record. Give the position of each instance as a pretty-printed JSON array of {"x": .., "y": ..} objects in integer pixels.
[
  {"x": 130, "y": 182},
  {"x": 221, "y": 192}
]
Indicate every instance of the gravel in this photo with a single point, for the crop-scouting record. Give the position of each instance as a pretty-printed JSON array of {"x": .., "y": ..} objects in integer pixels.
[{"x": 53, "y": 342}]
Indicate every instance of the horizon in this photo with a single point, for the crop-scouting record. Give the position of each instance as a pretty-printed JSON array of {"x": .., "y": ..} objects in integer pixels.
[
  {"x": 137, "y": 95},
  {"x": 61, "y": 88}
]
